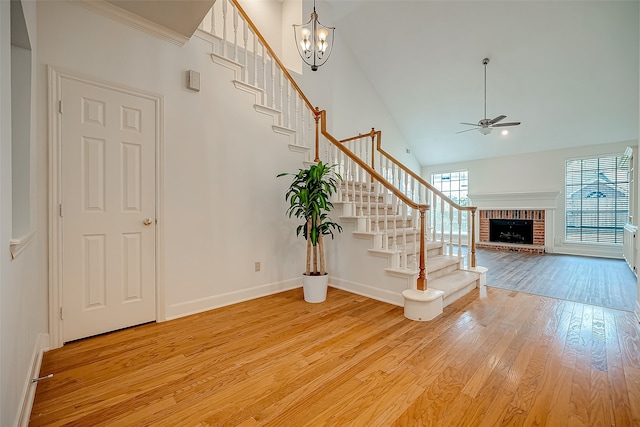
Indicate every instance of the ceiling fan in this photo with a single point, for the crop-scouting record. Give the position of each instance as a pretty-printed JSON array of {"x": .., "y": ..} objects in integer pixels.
[{"x": 484, "y": 126}]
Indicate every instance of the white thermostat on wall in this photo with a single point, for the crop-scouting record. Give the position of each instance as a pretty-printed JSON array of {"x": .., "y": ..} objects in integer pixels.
[{"x": 193, "y": 80}]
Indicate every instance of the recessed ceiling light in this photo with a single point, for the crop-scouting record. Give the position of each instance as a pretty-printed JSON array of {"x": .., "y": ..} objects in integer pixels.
[{"x": 505, "y": 132}]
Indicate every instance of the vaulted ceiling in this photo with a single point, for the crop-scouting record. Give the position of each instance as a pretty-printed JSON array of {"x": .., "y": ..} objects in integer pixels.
[{"x": 568, "y": 70}]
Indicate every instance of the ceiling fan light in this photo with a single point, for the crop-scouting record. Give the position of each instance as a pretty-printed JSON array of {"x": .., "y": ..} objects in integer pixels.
[{"x": 485, "y": 131}]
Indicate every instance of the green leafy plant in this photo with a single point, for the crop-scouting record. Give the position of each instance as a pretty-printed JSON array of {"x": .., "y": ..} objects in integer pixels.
[{"x": 308, "y": 197}]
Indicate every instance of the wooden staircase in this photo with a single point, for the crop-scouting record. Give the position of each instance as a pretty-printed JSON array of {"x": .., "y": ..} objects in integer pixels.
[
  {"x": 391, "y": 228},
  {"x": 369, "y": 217}
]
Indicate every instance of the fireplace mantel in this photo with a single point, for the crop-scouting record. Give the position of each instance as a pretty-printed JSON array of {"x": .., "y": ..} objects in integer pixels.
[{"x": 531, "y": 200}]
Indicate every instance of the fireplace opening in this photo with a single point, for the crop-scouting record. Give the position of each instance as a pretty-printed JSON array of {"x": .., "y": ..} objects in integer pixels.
[{"x": 511, "y": 231}]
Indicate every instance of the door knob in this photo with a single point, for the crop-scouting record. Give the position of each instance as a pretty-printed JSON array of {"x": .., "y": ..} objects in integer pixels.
[{"x": 147, "y": 221}]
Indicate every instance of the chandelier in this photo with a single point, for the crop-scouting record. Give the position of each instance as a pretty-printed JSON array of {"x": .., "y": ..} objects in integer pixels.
[{"x": 314, "y": 41}]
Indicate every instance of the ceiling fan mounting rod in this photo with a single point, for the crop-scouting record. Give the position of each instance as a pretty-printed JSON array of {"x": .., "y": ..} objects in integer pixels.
[{"x": 485, "y": 61}]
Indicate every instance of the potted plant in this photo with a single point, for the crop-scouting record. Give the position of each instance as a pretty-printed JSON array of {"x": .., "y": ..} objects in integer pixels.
[{"x": 308, "y": 197}]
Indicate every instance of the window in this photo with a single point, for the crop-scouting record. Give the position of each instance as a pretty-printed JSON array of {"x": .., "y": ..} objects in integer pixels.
[
  {"x": 454, "y": 185},
  {"x": 596, "y": 200}
]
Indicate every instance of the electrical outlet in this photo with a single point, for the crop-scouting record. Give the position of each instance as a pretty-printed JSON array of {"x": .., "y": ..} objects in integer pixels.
[{"x": 257, "y": 265}]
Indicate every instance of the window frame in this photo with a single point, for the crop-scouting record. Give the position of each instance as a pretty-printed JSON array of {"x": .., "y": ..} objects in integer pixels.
[
  {"x": 462, "y": 201},
  {"x": 618, "y": 225}
]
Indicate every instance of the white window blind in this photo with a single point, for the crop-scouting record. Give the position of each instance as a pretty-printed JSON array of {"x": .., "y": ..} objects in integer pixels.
[{"x": 596, "y": 200}]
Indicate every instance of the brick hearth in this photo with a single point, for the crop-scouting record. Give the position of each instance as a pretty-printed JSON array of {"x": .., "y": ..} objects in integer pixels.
[{"x": 538, "y": 229}]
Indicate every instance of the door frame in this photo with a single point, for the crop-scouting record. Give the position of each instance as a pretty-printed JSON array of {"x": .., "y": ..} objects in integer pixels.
[{"x": 54, "y": 135}]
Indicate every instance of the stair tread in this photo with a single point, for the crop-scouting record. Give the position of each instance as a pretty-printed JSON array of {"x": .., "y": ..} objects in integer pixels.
[
  {"x": 438, "y": 262},
  {"x": 454, "y": 281}
]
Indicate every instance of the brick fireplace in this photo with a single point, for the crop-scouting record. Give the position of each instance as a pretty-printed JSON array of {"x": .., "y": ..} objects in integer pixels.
[{"x": 513, "y": 216}]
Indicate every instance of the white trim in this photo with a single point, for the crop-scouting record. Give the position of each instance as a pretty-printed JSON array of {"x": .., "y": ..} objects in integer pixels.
[
  {"x": 383, "y": 295},
  {"x": 16, "y": 246},
  {"x": 54, "y": 137},
  {"x": 599, "y": 250},
  {"x": 131, "y": 19},
  {"x": 200, "y": 305},
  {"x": 536, "y": 200},
  {"x": 638, "y": 311},
  {"x": 29, "y": 389}
]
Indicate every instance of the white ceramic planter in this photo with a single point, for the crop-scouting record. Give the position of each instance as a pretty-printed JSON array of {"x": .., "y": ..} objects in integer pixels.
[{"x": 315, "y": 288}]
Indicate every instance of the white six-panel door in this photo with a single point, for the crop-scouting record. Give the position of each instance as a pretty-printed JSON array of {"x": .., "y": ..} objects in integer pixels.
[{"x": 108, "y": 209}]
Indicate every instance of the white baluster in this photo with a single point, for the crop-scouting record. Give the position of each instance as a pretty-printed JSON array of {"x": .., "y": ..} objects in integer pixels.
[
  {"x": 235, "y": 34},
  {"x": 385, "y": 201},
  {"x": 353, "y": 187},
  {"x": 469, "y": 219},
  {"x": 406, "y": 183},
  {"x": 340, "y": 171},
  {"x": 245, "y": 38},
  {"x": 361, "y": 203},
  {"x": 379, "y": 189},
  {"x": 273, "y": 83},
  {"x": 369, "y": 196},
  {"x": 405, "y": 214},
  {"x": 281, "y": 97},
  {"x": 264, "y": 75},
  {"x": 288, "y": 83},
  {"x": 460, "y": 235},
  {"x": 213, "y": 18},
  {"x": 441, "y": 222},
  {"x": 394, "y": 200},
  {"x": 450, "y": 230},
  {"x": 303, "y": 111},
  {"x": 311, "y": 135},
  {"x": 224, "y": 28},
  {"x": 434, "y": 214},
  {"x": 255, "y": 59}
]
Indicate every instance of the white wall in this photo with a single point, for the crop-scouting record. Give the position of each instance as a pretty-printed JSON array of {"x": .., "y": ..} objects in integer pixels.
[
  {"x": 535, "y": 172},
  {"x": 223, "y": 207},
  {"x": 23, "y": 281}
]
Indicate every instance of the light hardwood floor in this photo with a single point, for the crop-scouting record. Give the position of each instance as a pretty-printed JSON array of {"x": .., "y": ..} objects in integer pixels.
[
  {"x": 495, "y": 357},
  {"x": 598, "y": 281}
]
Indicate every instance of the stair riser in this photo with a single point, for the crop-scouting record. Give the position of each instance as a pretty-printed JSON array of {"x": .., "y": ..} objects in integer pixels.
[{"x": 448, "y": 299}]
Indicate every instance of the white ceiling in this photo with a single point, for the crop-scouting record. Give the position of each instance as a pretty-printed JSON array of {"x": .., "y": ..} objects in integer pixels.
[{"x": 568, "y": 70}]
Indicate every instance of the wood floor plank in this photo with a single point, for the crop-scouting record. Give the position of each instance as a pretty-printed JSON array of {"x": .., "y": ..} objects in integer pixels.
[
  {"x": 596, "y": 281},
  {"x": 494, "y": 357}
]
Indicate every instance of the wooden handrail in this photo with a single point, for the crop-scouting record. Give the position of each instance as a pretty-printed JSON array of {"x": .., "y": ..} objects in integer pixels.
[
  {"x": 378, "y": 135},
  {"x": 273, "y": 54},
  {"x": 421, "y": 282},
  {"x": 363, "y": 165}
]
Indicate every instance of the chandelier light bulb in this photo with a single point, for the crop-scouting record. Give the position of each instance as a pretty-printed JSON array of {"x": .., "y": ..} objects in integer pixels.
[
  {"x": 305, "y": 45},
  {"x": 322, "y": 34},
  {"x": 305, "y": 33}
]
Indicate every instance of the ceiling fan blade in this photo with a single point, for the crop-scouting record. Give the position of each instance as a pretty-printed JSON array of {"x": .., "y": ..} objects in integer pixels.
[
  {"x": 506, "y": 124},
  {"x": 470, "y": 124},
  {"x": 497, "y": 119},
  {"x": 467, "y": 130}
]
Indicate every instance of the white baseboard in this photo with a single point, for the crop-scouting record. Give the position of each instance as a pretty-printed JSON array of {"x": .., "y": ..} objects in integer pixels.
[
  {"x": 638, "y": 310},
  {"x": 29, "y": 389},
  {"x": 187, "y": 308},
  {"x": 383, "y": 295}
]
